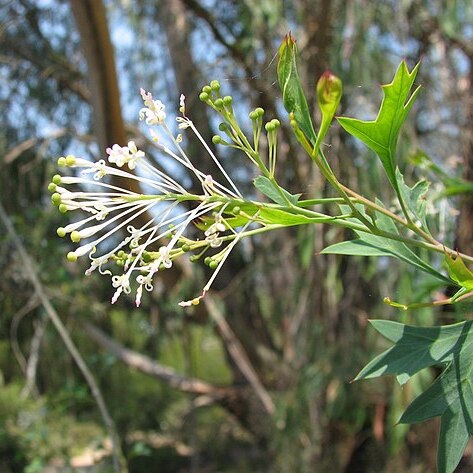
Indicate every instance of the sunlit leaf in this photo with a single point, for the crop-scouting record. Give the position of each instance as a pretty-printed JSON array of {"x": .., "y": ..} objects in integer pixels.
[
  {"x": 381, "y": 135},
  {"x": 459, "y": 272}
]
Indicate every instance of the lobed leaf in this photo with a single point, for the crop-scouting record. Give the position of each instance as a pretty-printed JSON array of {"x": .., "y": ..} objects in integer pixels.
[
  {"x": 449, "y": 396},
  {"x": 381, "y": 135}
]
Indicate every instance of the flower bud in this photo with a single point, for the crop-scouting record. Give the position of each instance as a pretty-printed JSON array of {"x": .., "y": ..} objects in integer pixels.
[
  {"x": 329, "y": 92},
  {"x": 215, "y": 85}
]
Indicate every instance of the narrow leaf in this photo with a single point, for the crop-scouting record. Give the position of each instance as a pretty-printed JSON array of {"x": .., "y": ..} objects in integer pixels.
[
  {"x": 269, "y": 189},
  {"x": 355, "y": 248},
  {"x": 281, "y": 217},
  {"x": 290, "y": 85}
]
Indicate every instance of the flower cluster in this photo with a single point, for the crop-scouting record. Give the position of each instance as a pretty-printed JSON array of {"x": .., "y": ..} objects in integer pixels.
[{"x": 143, "y": 233}]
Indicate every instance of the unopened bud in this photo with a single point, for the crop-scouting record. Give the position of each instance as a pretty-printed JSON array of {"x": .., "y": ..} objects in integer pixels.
[{"x": 329, "y": 92}]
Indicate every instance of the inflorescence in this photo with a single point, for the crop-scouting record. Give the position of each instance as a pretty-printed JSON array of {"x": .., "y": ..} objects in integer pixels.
[{"x": 131, "y": 236}]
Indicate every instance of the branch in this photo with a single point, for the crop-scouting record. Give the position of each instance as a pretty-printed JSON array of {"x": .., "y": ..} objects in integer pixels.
[
  {"x": 33, "y": 359},
  {"x": 200, "y": 12},
  {"x": 239, "y": 355},
  {"x": 150, "y": 367},
  {"x": 64, "y": 334}
]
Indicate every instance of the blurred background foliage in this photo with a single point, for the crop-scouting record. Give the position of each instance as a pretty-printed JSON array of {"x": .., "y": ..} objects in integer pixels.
[{"x": 185, "y": 390}]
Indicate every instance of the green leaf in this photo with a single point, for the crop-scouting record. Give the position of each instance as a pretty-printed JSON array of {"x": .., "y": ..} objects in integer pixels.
[
  {"x": 375, "y": 245},
  {"x": 449, "y": 396},
  {"x": 414, "y": 197},
  {"x": 273, "y": 191},
  {"x": 355, "y": 248},
  {"x": 290, "y": 85},
  {"x": 453, "y": 439},
  {"x": 459, "y": 272},
  {"x": 274, "y": 216},
  {"x": 415, "y": 348},
  {"x": 381, "y": 135}
]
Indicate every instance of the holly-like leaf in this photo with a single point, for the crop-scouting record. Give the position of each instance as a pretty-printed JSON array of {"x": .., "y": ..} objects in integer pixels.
[
  {"x": 290, "y": 85},
  {"x": 381, "y": 135},
  {"x": 450, "y": 395}
]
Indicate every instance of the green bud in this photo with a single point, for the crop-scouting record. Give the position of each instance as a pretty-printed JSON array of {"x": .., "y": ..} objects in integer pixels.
[
  {"x": 120, "y": 262},
  {"x": 236, "y": 210},
  {"x": 227, "y": 100},
  {"x": 61, "y": 232},
  {"x": 52, "y": 187},
  {"x": 185, "y": 248},
  {"x": 193, "y": 258},
  {"x": 63, "y": 208},
  {"x": 276, "y": 123},
  {"x": 329, "y": 92},
  {"x": 207, "y": 89},
  {"x": 75, "y": 236},
  {"x": 56, "y": 198},
  {"x": 56, "y": 179},
  {"x": 71, "y": 257},
  {"x": 121, "y": 254},
  {"x": 218, "y": 103},
  {"x": 70, "y": 160},
  {"x": 207, "y": 260},
  {"x": 269, "y": 127},
  {"x": 253, "y": 115},
  {"x": 215, "y": 85},
  {"x": 61, "y": 161},
  {"x": 213, "y": 264},
  {"x": 223, "y": 126},
  {"x": 146, "y": 257},
  {"x": 203, "y": 97},
  {"x": 216, "y": 139},
  {"x": 259, "y": 111}
]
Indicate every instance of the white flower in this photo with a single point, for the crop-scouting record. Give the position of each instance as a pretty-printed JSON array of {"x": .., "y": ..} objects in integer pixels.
[
  {"x": 113, "y": 238},
  {"x": 121, "y": 155},
  {"x": 153, "y": 111}
]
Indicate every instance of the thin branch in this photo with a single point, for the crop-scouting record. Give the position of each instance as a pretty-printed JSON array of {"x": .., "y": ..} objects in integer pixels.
[
  {"x": 238, "y": 354},
  {"x": 64, "y": 334},
  {"x": 32, "y": 303},
  {"x": 33, "y": 359},
  {"x": 202, "y": 13},
  {"x": 150, "y": 367}
]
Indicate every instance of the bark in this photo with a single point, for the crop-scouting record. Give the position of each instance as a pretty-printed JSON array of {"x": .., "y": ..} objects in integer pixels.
[
  {"x": 464, "y": 240},
  {"x": 95, "y": 39}
]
